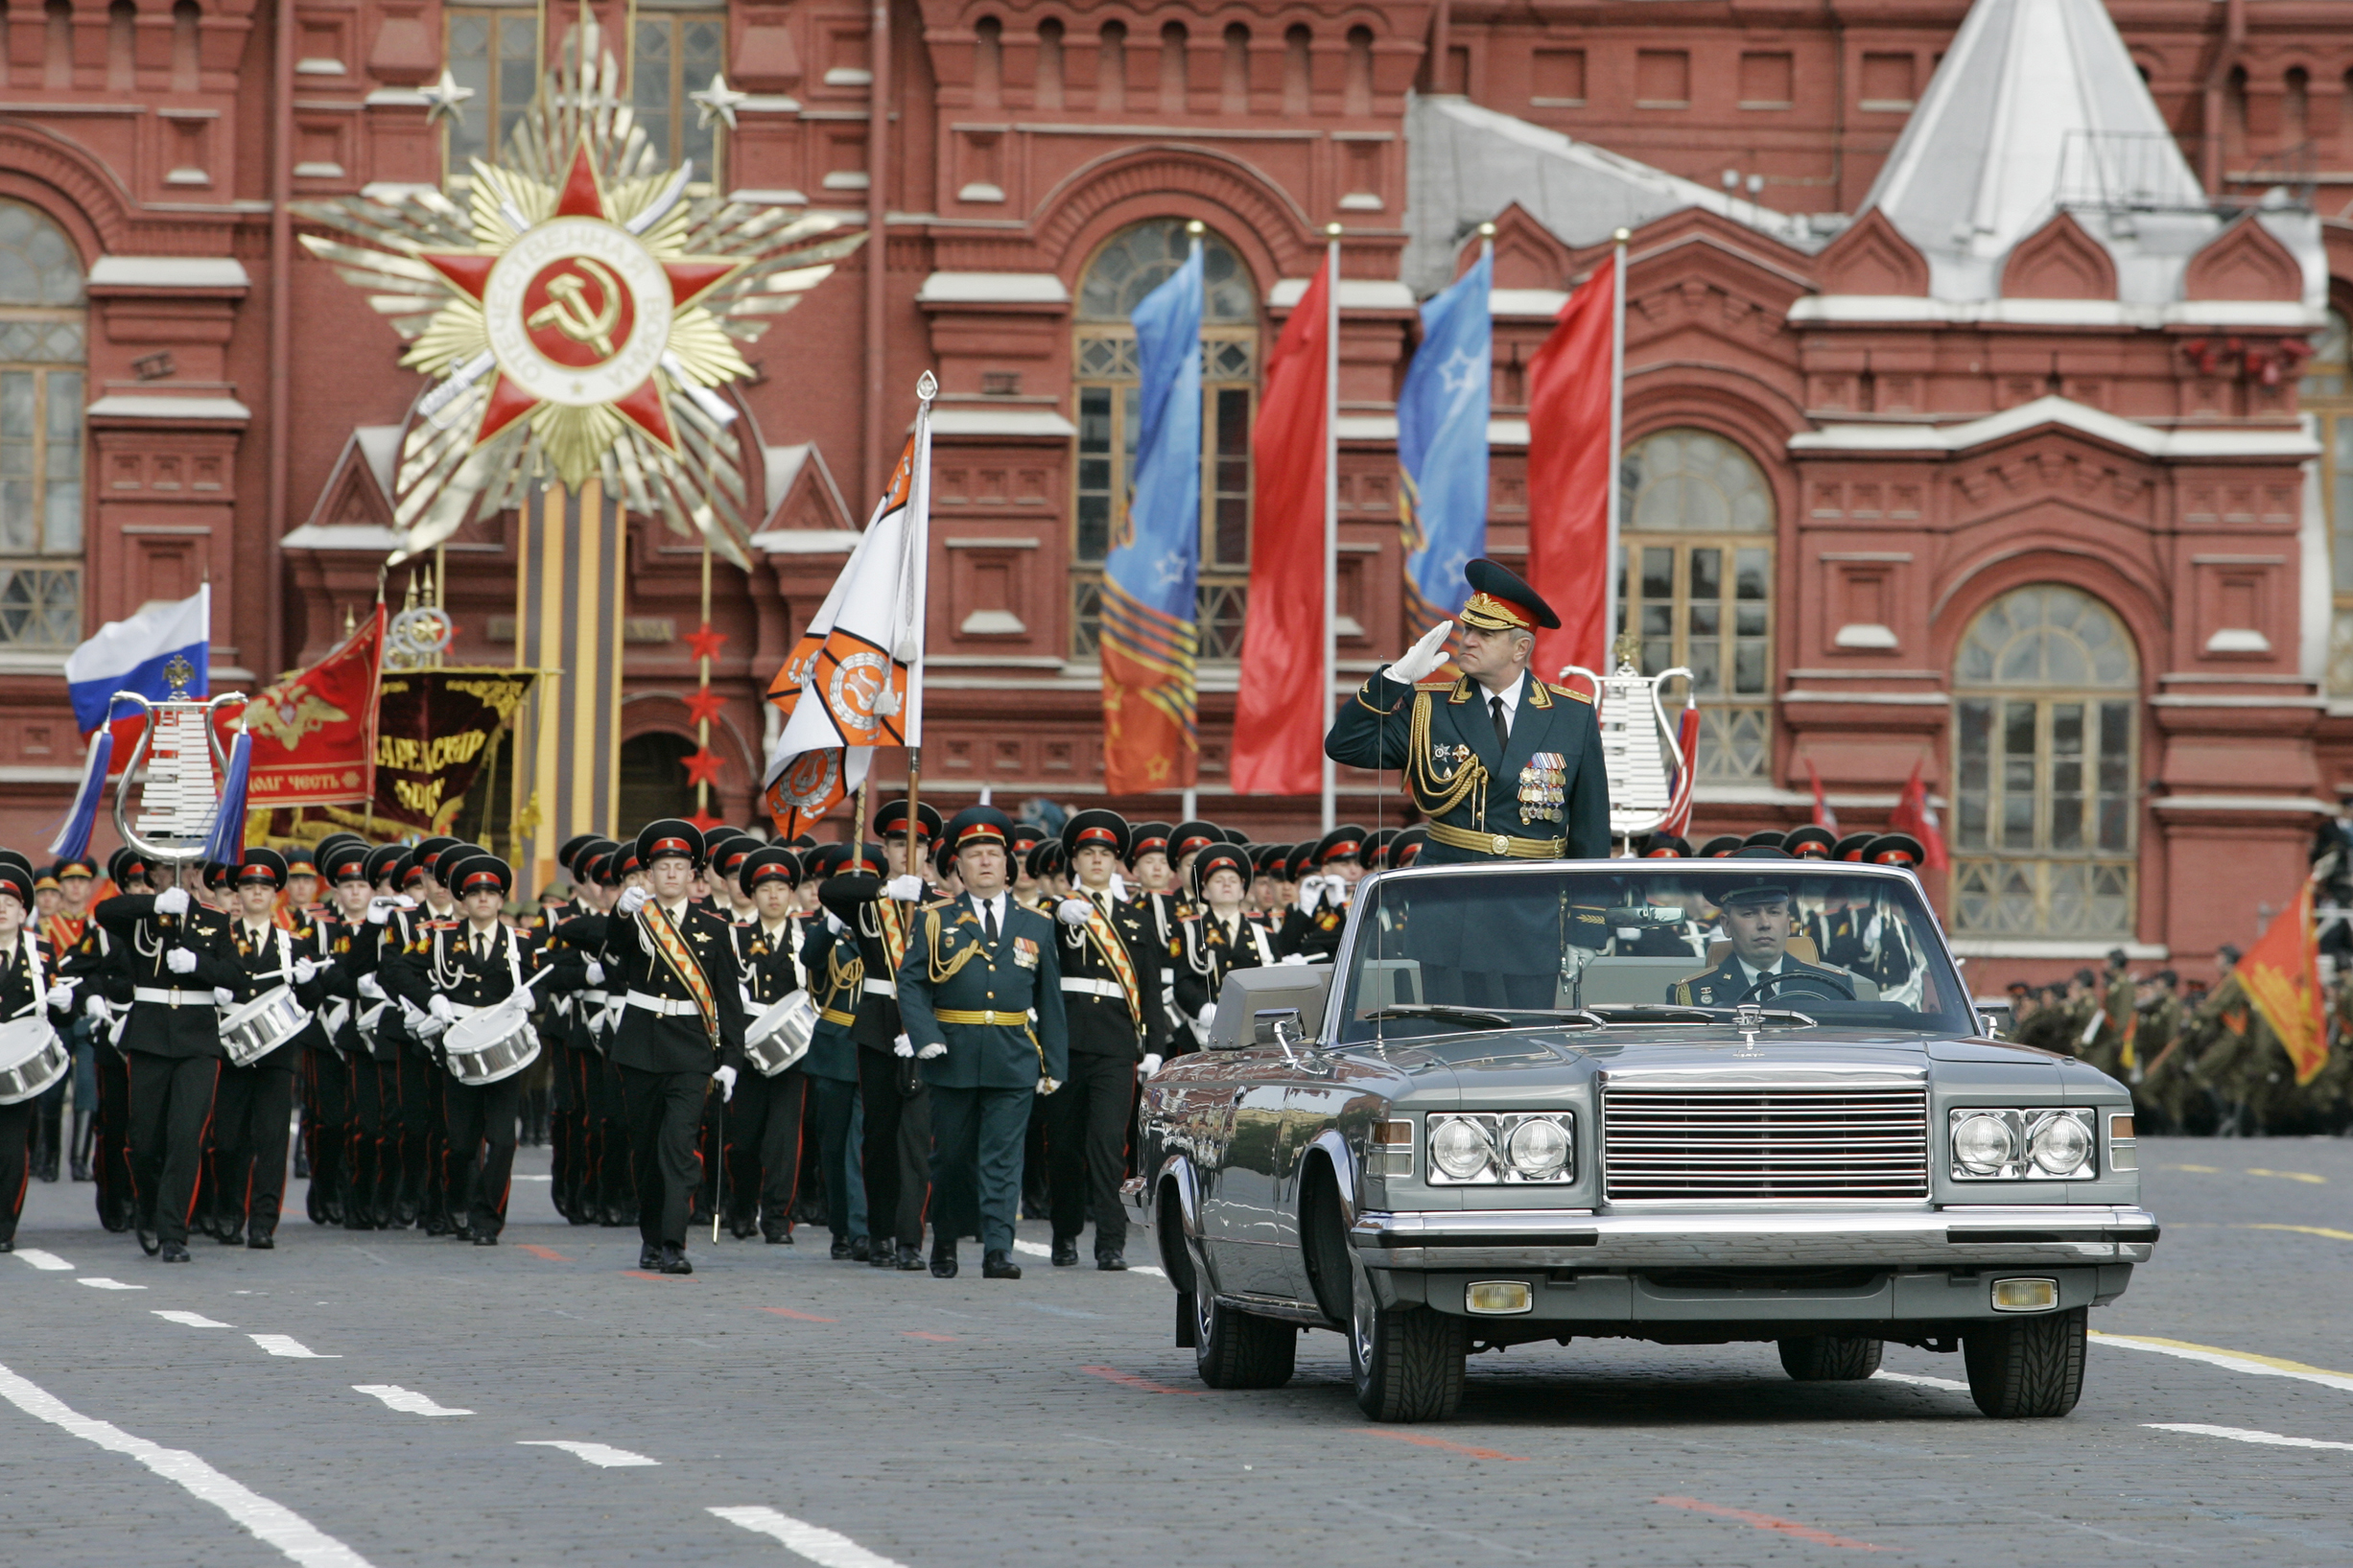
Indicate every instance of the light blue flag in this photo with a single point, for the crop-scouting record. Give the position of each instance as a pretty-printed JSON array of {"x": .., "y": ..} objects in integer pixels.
[
  {"x": 1442, "y": 445},
  {"x": 1149, "y": 639}
]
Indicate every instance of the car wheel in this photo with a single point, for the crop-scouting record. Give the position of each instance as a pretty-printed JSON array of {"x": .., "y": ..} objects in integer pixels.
[
  {"x": 2026, "y": 1367},
  {"x": 1830, "y": 1358},
  {"x": 1232, "y": 1349},
  {"x": 1407, "y": 1360}
]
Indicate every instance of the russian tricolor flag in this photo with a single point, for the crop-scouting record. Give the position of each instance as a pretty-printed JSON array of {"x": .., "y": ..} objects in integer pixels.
[{"x": 142, "y": 654}]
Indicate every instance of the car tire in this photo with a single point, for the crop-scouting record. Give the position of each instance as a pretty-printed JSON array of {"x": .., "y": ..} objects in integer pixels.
[
  {"x": 2026, "y": 1367},
  {"x": 1830, "y": 1358},
  {"x": 1233, "y": 1350},
  {"x": 1407, "y": 1361}
]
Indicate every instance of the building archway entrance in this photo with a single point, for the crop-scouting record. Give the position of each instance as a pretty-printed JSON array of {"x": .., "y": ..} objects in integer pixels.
[{"x": 653, "y": 781}]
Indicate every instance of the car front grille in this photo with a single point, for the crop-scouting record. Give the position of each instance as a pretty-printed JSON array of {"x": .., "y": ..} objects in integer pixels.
[{"x": 1751, "y": 1142}]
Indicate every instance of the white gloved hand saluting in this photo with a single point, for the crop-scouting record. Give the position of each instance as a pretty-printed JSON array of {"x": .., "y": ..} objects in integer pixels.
[
  {"x": 903, "y": 1047},
  {"x": 726, "y": 1077},
  {"x": 440, "y": 1008},
  {"x": 172, "y": 901},
  {"x": 1417, "y": 661},
  {"x": 632, "y": 899},
  {"x": 906, "y": 889},
  {"x": 1073, "y": 911},
  {"x": 180, "y": 961},
  {"x": 931, "y": 1052}
]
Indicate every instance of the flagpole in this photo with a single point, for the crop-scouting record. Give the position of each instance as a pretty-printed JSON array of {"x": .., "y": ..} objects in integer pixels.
[
  {"x": 911, "y": 608},
  {"x": 1331, "y": 506},
  {"x": 1612, "y": 570}
]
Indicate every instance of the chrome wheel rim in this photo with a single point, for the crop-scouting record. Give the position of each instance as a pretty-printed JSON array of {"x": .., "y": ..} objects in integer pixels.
[{"x": 1360, "y": 1317}]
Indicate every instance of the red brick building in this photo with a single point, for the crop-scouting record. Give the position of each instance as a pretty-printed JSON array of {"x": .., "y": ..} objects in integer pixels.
[{"x": 2029, "y": 472}]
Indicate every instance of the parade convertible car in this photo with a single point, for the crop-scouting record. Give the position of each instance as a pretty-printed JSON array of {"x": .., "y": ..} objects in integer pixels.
[{"x": 1689, "y": 1102}]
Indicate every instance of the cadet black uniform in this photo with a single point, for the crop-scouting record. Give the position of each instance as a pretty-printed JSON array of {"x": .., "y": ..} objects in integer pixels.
[
  {"x": 255, "y": 1102},
  {"x": 26, "y": 968},
  {"x": 764, "y": 1119},
  {"x": 1213, "y": 945},
  {"x": 1315, "y": 932}
]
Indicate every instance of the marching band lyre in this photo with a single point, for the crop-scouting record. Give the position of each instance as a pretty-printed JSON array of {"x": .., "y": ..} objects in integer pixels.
[{"x": 1640, "y": 756}]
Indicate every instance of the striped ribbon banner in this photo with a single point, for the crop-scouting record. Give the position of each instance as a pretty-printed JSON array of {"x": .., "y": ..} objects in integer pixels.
[{"x": 568, "y": 625}]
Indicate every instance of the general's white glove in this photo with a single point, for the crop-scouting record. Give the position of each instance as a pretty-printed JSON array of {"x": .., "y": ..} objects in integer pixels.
[
  {"x": 1047, "y": 1086},
  {"x": 304, "y": 969},
  {"x": 1417, "y": 661},
  {"x": 179, "y": 961},
  {"x": 931, "y": 1052},
  {"x": 172, "y": 901},
  {"x": 726, "y": 1077},
  {"x": 440, "y": 1008},
  {"x": 832, "y": 923},
  {"x": 1119, "y": 888},
  {"x": 906, "y": 889},
  {"x": 1073, "y": 911},
  {"x": 632, "y": 899},
  {"x": 379, "y": 909},
  {"x": 371, "y": 988},
  {"x": 62, "y": 997},
  {"x": 904, "y": 1046},
  {"x": 223, "y": 997},
  {"x": 1151, "y": 1065},
  {"x": 594, "y": 973}
]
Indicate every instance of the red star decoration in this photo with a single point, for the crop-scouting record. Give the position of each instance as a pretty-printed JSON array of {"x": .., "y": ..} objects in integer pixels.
[
  {"x": 702, "y": 767},
  {"x": 704, "y": 821},
  {"x": 704, "y": 705},
  {"x": 704, "y": 641},
  {"x": 690, "y": 277}
]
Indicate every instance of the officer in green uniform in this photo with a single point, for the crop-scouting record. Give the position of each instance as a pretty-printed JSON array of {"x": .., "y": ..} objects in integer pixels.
[
  {"x": 1759, "y": 918},
  {"x": 976, "y": 967}
]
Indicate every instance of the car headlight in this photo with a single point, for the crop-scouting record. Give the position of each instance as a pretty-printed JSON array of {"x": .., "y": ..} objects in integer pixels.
[
  {"x": 1485, "y": 1147},
  {"x": 2003, "y": 1144}
]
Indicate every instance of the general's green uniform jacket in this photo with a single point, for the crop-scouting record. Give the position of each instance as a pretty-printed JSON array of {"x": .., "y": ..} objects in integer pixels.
[{"x": 950, "y": 967}]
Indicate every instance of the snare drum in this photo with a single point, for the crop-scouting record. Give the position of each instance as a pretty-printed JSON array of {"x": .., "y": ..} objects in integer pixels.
[
  {"x": 780, "y": 1036},
  {"x": 31, "y": 1058},
  {"x": 262, "y": 1025},
  {"x": 496, "y": 1042}
]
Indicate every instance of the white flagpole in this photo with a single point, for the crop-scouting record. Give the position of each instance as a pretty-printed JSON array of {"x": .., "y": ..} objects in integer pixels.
[
  {"x": 1615, "y": 569},
  {"x": 1331, "y": 506}
]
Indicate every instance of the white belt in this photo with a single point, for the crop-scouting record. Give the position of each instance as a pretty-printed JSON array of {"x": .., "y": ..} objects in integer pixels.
[
  {"x": 663, "y": 1005},
  {"x": 1112, "y": 988},
  {"x": 881, "y": 987},
  {"x": 598, "y": 998},
  {"x": 170, "y": 998}
]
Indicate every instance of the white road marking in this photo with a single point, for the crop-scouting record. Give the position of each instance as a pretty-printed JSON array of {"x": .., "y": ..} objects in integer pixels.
[
  {"x": 1037, "y": 1249},
  {"x": 1924, "y": 1382},
  {"x": 46, "y": 1262},
  {"x": 532, "y": 1178},
  {"x": 108, "y": 1284},
  {"x": 271, "y": 1523},
  {"x": 827, "y": 1548},
  {"x": 286, "y": 1345},
  {"x": 403, "y": 1400},
  {"x": 594, "y": 1453},
  {"x": 190, "y": 1319},
  {"x": 2241, "y": 1434},
  {"x": 2231, "y": 1360}
]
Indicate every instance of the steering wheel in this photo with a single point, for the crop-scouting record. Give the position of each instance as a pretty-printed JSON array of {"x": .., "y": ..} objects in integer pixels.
[{"x": 1768, "y": 982}]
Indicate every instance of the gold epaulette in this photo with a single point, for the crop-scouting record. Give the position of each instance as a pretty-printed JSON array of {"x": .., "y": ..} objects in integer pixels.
[
  {"x": 1440, "y": 684},
  {"x": 1571, "y": 691}
]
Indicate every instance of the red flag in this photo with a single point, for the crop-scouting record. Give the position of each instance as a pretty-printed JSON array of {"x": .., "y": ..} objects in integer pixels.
[
  {"x": 1688, "y": 742},
  {"x": 1278, "y": 736},
  {"x": 314, "y": 731},
  {"x": 2281, "y": 975},
  {"x": 1824, "y": 817},
  {"x": 1914, "y": 815},
  {"x": 1569, "y": 474}
]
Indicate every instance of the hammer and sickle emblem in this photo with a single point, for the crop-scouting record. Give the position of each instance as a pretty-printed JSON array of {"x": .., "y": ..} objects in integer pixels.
[{"x": 567, "y": 314}]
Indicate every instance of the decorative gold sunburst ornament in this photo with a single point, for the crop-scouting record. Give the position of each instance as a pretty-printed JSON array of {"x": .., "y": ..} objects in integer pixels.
[{"x": 577, "y": 315}]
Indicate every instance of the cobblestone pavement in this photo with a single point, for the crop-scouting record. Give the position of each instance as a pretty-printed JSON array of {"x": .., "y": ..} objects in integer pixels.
[{"x": 385, "y": 1398}]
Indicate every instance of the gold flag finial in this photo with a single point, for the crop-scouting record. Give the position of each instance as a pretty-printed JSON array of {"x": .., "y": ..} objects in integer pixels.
[{"x": 1628, "y": 650}]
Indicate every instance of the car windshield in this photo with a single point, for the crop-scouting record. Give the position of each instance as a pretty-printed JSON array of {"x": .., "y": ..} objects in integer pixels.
[{"x": 1666, "y": 942}]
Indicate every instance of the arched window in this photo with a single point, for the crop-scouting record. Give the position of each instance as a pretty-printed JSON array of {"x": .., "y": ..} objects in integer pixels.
[
  {"x": 1695, "y": 584},
  {"x": 1135, "y": 262},
  {"x": 42, "y": 380},
  {"x": 2046, "y": 694},
  {"x": 2327, "y": 395}
]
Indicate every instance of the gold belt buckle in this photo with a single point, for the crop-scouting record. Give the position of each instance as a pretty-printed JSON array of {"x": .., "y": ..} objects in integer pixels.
[{"x": 1501, "y": 844}]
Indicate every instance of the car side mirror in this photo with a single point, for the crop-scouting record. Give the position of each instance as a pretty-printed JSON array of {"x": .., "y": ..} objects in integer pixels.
[{"x": 1990, "y": 1026}]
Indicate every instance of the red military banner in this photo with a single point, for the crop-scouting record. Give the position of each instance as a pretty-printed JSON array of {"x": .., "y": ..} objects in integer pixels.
[
  {"x": 314, "y": 731},
  {"x": 436, "y": 730}
]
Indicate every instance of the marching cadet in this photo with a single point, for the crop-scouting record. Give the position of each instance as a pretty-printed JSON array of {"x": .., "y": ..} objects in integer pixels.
[
  {"x": 184, "y": 967},
  {"x": 837, "y": 978},
  {"x": 976, "y": 967},
  {"x": 573, "y": 1043},
  {"x": 1221, "y": 939},
  {"x": 1312, "y": 928},
  {"x": 29, "y": 989},
  {"x": 255, "y": 1102},
  {"x": 681, "y": 1025},
  {"x": 97, "y": 966},
  {"x": 763, "y": 1120},
  {"x": 1186, "y": 840},
  {"x": 453, "y": 970},
  {"x": 388, "y": 1143},
  {"x": 896, "y": 1156},
  {"x": 1759, "y": 921},
  {"x": 1026, "y": 836},
  {"x": 62, "y": 927},
  {"x": 1109, "y": 958},
  {"x": 342, "y": 859},
  {"x": 1503, "y": 765}
]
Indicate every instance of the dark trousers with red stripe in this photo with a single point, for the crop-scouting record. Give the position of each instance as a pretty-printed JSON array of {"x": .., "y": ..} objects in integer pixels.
[
  {"x": 481, "y": 1150},
  {"x": 329, "y": 1103},
  {"x": 764, "y": 1149},
  {"x": 171, "y": 1107},
  {"x": 408, "y": 1110},
  {"x": 110, "y": 1145},
  {"x": 251, "y": 1113},
  {"x": 15, "y": 1163},
  {"x": 898, "y": 1153},
  {"x": 363, "y": 1190},
  {"x": 665, "y": 1110}
]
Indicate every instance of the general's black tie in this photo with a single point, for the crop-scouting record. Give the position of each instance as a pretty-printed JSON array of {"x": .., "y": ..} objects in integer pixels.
[
  {"x": 1503, "y": 728},
  {"x": 988, "y": 920}
]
